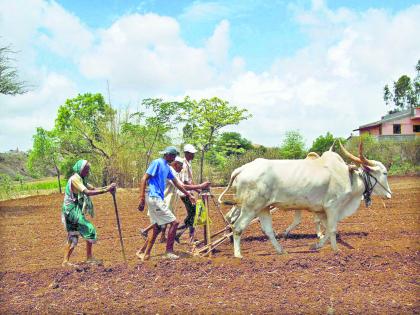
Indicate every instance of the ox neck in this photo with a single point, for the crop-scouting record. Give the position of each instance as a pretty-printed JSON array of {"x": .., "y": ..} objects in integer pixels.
[
  {"x": 364, "y": 184},
  {"x": 357, "y": 183}
]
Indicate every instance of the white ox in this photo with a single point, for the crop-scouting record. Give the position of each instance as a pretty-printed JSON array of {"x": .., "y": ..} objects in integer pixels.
[{"x": 323, "y": 185}]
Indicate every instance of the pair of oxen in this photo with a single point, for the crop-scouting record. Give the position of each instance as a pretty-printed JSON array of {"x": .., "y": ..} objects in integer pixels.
[{"x": 324, "y": 185}]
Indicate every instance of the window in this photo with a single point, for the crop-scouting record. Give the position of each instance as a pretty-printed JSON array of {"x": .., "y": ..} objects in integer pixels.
[
  {"x": 397, "y": 129},
  {"x": 416, "y": 128}
]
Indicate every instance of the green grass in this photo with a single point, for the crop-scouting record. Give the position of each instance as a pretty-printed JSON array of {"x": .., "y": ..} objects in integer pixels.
[{"x": 17, "y": 189}]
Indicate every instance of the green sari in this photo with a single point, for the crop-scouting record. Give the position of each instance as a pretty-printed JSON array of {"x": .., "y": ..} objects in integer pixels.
[{"x": 75, "y": 206}]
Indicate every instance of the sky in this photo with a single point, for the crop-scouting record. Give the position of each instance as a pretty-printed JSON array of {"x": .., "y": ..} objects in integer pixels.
[{"x": 312, "y": 66}]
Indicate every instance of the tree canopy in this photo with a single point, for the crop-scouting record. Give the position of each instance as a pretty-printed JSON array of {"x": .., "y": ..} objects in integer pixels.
[
  {"x": 405, "y": 93},
  {"x": 9, "y": 79}
]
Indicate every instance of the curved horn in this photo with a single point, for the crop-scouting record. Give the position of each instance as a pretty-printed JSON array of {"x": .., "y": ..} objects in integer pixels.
[
  {"x": 349, "y": 155},
  {"x": 364, "y": 160}
]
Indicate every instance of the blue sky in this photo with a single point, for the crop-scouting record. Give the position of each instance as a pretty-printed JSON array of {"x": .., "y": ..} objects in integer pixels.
[{"x": 313, "y": 66}]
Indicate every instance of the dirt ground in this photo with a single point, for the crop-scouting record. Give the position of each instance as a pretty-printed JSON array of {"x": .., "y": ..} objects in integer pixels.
[{"x": 376, "y": 270}]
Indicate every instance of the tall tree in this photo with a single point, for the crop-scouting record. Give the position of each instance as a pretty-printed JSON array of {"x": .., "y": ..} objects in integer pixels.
[
  {"x": 293, "y": 146},
  {"x": 323, "y": 143},
  {"x": 9, "y": 81},
  {"x": 84, "y": 126},
  {"x": 205, "y": 119},
  {"x": 45, "y": 154},
  {"x": 405, "y": 92}
]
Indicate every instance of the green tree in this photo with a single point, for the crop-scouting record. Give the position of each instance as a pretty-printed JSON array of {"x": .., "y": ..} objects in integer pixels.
[
  {"x": 164, "y": 117},
  {"x": 205, "y": 118},
  {"x": 293, "y": 146},
  {"x": 45, "y": 154},
  {"x": 405, "y": 92},
  {"x": 228, "y": 144},
  {"x": 323, "y": 143},
  {"x": 85, "y": 126},
  {"x": 9, "y": 81}
]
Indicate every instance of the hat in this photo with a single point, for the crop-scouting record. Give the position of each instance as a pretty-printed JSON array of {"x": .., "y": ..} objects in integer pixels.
[
  {"x": 189, "y": 148},
  {"x": 170, "y": 150},
  {"x": 179, "y": 160}
]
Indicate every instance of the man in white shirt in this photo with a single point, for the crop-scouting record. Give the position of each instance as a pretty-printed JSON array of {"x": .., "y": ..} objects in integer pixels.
[{"x": 186, "y": 177}]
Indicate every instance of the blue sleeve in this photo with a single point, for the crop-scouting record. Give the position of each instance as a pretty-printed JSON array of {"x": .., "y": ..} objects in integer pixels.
[
  {"x": 153, "y": 168},
  {"x": 170, "y": 175}
]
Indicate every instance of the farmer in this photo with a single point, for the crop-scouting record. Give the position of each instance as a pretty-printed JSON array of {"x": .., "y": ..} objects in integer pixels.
[
  {"x": 186, "y": 176},
  {"x": 160, "y": 214},
  {"x": 76, "y": 203},
  {"x": 170, "y": 194}
]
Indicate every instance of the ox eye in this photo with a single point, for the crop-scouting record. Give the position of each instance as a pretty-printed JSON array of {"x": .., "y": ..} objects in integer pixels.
[{"x": 385, "y": 173}]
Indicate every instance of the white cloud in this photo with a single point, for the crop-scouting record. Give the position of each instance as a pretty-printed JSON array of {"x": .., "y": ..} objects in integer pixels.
[
  {"x": 37, "y": 108},
  {"x": 147, "y": 53},
  {"x": 333, "y": 84}
]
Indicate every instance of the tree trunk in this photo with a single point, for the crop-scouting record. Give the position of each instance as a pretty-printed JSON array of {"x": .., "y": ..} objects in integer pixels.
[
  {"x": 201, "y": 165},
  {"x": 58, "y": 178}
]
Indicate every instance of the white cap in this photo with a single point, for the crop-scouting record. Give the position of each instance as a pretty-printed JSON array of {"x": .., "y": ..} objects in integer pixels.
[
  {"x": 189, "y": 148},
  {"x": 179, "y": 160}
]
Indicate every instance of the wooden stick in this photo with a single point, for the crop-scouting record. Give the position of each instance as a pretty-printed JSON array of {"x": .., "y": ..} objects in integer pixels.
[
  {"x": 196, "y": 243},
  {"x": 119, "y": 228},
  {"x": 216, "y": 242},
  {"x": 221, "y": 241},
  {"x": 206, "y": 203}
]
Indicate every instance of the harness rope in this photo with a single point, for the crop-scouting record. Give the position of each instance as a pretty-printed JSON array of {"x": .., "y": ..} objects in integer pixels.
[{"x": 365, "y": 175}]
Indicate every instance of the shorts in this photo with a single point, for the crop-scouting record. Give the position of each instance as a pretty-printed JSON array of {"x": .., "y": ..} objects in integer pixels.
[{"x": 159, "y": 212}]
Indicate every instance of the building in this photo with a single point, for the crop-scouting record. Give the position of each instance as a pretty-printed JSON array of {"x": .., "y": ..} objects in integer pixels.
[{"x": 402, "y": 125}]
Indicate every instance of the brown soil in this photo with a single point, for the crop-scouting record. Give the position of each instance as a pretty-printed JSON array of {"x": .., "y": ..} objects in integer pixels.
[{"x": 376, "y": 270}]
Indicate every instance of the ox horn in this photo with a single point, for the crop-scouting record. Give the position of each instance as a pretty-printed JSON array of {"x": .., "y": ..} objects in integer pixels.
[
  {"x": 349, "y": 155},
  {"x": 364, "y": 160}
]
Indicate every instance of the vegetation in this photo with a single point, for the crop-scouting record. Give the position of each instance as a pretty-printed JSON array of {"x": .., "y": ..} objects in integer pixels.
[
  {"x": 405, "y": 92},
  {"x": 9, "y": 81},
  {"x": 121, "y": 144},
  {"x": 14, "y": 188}
]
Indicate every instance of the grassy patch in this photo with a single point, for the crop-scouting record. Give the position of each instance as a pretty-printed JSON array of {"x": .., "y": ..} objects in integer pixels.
[{"x": 15, "y": 189}]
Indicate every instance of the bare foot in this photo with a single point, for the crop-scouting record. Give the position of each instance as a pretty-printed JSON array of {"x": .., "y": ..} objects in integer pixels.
[
  {"x": 68, "y": 264},
  {"x": 94, "y": 261}
]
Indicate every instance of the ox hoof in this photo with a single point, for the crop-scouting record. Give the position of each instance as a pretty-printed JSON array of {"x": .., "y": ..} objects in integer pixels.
[
  {"x": 239, "y": 256},
  {"x": 314, "y": 246}
]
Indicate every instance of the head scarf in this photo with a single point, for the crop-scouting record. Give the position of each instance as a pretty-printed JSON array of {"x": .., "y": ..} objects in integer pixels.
[{"x": 79, "y": 166}]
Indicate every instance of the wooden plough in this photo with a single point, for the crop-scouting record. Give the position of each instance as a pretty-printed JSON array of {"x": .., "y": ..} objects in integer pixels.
[{"x": 226, "y": 232}]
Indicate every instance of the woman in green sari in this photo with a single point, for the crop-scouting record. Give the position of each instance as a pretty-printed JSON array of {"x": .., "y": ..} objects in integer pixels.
[{"x": 76, "y": 203}]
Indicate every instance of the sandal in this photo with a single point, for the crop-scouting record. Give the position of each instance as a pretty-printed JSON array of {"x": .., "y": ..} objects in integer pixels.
[{"x": 94, "y": 261}]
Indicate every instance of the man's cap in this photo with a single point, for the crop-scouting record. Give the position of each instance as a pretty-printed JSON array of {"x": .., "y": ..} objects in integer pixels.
[
  {"x": 170, "y": 150},
  {"x": 179, "y": 160},
  {"x": 189, "y": 148}
]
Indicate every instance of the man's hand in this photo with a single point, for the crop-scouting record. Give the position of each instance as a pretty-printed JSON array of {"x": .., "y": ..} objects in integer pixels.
[
  {"x": 191, "y": 197},
  {"x": 205, "y": 185},
  {"x": 113, "y": 188},
  {"x": 141, "y": 204}
]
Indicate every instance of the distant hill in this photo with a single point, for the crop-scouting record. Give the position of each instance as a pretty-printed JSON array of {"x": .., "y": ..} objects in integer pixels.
[{"x": 13, "y": 163}]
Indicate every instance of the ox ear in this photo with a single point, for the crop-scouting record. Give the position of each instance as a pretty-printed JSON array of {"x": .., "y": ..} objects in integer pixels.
[
  {"x": 349, "y": 155},
  {"x": 364, "y": 160}
]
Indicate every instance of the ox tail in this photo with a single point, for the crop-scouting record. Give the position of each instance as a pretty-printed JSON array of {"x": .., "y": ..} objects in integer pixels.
[
  {"x": 235, "y": 173},
  {"x": 331, "y": 148}
]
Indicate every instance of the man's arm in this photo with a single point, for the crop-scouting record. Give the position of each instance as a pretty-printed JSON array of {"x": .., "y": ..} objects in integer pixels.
[
  {"x": 181, "y": 187},
  {"x": 142, "y": 189},
  {"x": 198, "y": 187}
]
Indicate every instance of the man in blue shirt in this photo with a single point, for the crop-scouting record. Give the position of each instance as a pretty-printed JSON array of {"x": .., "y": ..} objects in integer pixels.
[{"x": 160, "y": 214}]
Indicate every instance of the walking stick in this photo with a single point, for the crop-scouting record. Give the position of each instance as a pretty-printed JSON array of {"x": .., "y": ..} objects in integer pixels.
[{"x": 119, "y": 227}]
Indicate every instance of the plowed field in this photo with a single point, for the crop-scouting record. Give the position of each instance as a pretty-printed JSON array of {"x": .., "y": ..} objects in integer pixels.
[{"x": 376, "y": 270}]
